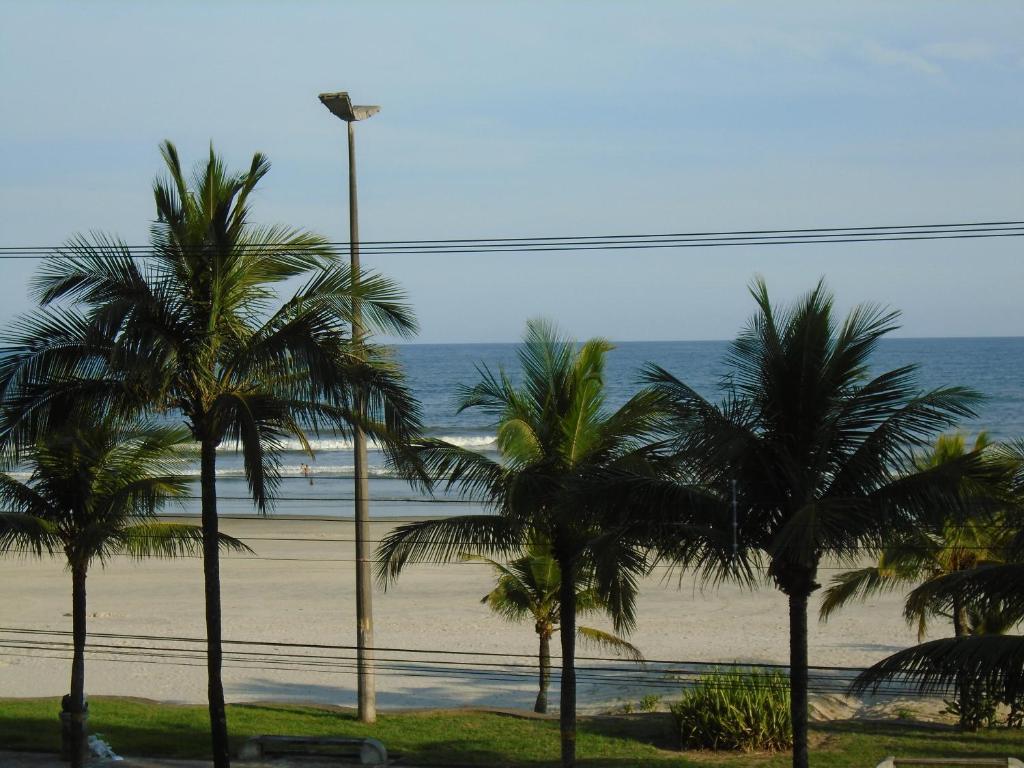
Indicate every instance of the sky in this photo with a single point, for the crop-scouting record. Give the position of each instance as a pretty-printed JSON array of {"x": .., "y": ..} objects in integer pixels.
[{"x": 550, "y": 119}]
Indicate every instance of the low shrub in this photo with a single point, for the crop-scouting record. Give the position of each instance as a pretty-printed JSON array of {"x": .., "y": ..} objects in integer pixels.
[
  {"x": 649, "y": 703},
  {"x": 736, "y": 709},
  {"x": 981, "y": 703}
]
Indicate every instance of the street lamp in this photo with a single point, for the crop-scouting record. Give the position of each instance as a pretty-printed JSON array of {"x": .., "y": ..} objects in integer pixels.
[{"x": 341, "y": 105}]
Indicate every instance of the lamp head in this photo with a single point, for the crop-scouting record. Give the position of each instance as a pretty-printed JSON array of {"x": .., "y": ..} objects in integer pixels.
[{"x": 341, "y": 105}]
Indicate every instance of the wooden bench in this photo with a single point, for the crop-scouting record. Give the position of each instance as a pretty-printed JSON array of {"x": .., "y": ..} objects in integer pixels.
[
  {"x": 359, "y": 751},
  {"x": 950, "y": 762}
]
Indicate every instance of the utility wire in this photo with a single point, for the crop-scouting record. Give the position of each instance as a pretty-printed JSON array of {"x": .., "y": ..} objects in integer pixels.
[
  {"x": 473, "y": 544},
  {"x": 421, "y": 651},
  {"x": 509, "y": 681},
  {"x": 650, "y": 673},
  {"x": 811, "y": 231},
  {"x": 638, "y": 671},
  {"x": 434, "y": 563},
  {"x": 883, "y": 233}
]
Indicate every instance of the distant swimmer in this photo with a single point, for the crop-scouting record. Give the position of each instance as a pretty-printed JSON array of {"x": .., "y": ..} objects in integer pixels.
[{"x": 306, "y": 473}]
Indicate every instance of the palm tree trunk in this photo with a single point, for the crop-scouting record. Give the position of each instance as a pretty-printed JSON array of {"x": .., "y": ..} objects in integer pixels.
[
  {"x": 77, "y": 704},
  {"x": 567, "y": 692},
  {"x": 211, "y": 575},
  {"x": 798, "y": 676},
  {"x": 961, "y": 625},
  {"x": 966, "y": 692},
  {"x": 541, "y": 705}
]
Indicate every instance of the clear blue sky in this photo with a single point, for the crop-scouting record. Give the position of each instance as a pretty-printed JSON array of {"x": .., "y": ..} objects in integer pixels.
[{"x": 548, "y": 118}]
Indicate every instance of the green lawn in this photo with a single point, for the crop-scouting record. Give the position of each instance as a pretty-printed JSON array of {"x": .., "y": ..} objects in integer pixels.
[{"x": 135, "y": 727}]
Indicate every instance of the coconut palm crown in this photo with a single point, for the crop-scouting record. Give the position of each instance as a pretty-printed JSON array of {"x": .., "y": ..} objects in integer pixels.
[
  {"x": 197, "y": 330},
  {"x": 821, "y": 451},
  {"x": 554, "y": 436}
]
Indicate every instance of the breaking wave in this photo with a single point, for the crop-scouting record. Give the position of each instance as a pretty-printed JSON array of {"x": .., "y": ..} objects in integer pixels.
[{"x": 335, "y": 444}]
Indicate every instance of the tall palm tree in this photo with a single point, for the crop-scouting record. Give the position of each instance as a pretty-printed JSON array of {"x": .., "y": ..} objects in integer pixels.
[
  {"x": 994, "y": 659},
  {"x": 93, "y": 493},
  {"x": 953, "y": 543},
  {"x": 821, "y": 452},
  {"x": 197, "y": 330},
  {"x": 528, "y": 588},
  {"x": 554, "y": 435}
]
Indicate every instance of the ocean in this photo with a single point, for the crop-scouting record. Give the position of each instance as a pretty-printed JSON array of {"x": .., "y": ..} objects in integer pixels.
[{"x": 993, "y": 366}]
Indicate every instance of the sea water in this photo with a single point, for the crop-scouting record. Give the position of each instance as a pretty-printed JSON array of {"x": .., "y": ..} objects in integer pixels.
[{"x": 993, "y": 366}]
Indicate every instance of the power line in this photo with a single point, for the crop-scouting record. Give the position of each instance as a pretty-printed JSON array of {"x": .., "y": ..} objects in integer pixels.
[
  {"x": 511, "y": 679},
  {"x": 497, "y": 679},
  {"x": 649, "y": 673},
  {"x": 881, "y": 233},
  {"x": 472, "y": 544},
  {"x": 749, "y": 233},
  {"x": 363, "y": 243},
  {"x": 682, "y": 569},
  {"x": 415, "y": 651}
]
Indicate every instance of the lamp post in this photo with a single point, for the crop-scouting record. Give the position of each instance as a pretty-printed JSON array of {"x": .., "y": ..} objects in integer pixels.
[{"x": 341, "y": 105}]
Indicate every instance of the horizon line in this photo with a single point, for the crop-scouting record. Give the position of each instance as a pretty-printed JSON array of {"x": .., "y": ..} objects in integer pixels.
[{"x": 687, "y": 341}]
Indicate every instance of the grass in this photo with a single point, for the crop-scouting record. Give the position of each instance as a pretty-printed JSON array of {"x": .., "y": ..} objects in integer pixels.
[{"x": 463, "y": 737}]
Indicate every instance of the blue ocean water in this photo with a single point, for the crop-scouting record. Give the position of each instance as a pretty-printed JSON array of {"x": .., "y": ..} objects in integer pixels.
[{"x": 993, "y": 366}]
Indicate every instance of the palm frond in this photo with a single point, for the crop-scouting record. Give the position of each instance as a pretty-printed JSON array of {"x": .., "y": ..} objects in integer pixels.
[
  {"x": 443, "y": 540},
  {"x": 332, "y": 292},
  {"x": 255, "y": 423},
  {"x": 28, "y": 534},
  {"x": 995, "y": 586},
  {"x": 96, "y": 269},
  {"x": 160, "y": 539},
  {"x": 936, "y": 667},
  {"x": 22, "y": 498},
  {"x": 954, "y": 489},
  {"x": 616, "y": 566},
  {"x": 887, "y": 420},
  {"x": 609, "y": 643},
  {"x": 860, "y": 585},
  {"x": 474, "y": 475},
  {"x": 512, "y": 598},
  {"x": 47, "y": 359}
]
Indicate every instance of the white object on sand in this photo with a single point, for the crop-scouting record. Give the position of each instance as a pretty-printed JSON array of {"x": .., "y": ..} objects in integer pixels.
[{"x": 99, "y": 748}]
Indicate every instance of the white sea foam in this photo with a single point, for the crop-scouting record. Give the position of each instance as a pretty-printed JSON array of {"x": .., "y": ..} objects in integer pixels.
[
  {"x": 336, "y": 444},
  {"x": 471, "y": 441},
  {"x": 295, "y": 470}
]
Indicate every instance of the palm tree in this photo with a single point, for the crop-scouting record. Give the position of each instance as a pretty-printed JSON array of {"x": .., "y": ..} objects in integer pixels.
[
  {"x": 528, "y": 588},
  {"x": 954, "y": 543},
  {"x": 820, "y": 450},
  {"x": 554, "y": 436},
  {"x": 992, "y": 659},
  {"x": 93, "y": 492},
  {"x": 196, "y": 331}
]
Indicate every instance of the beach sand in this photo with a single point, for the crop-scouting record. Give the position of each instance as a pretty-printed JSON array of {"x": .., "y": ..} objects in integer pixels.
[{"x": 303, "y": 592}]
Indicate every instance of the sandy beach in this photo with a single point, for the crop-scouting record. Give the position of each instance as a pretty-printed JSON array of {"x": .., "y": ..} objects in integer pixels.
[{"x": 302, "y": 592}]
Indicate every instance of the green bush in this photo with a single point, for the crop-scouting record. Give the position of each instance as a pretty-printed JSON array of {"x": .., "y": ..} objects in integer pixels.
[
  {"x": 649, "y": 703},
  {"x": 736, "y": 709},
  {"x": 981, "y": 703}
]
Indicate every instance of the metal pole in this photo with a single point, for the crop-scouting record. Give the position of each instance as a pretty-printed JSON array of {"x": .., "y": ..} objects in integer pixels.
[{"x": 364, "y": 583}]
